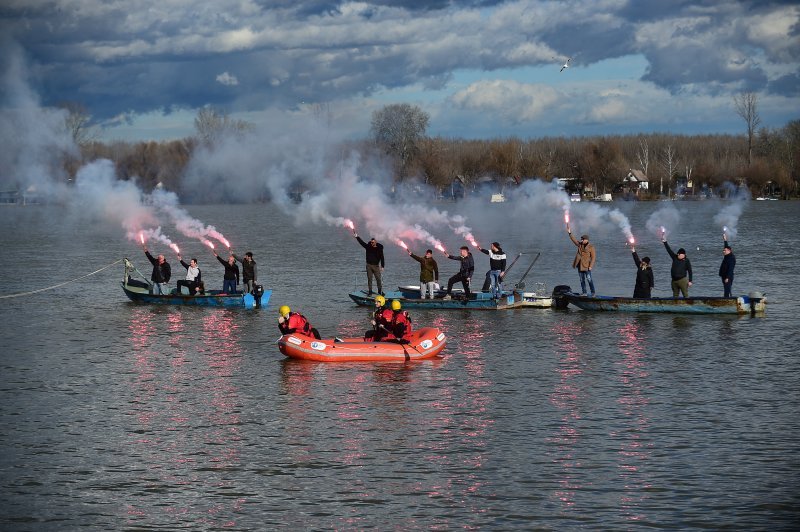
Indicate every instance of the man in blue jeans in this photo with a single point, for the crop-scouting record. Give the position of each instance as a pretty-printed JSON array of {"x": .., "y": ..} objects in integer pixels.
[
  {"x": 584, "y": 260},
  {"x": 231, "y": 277}
]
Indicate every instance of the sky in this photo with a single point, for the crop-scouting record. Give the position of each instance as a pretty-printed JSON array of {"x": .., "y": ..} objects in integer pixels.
[{"x": 480, "y": 68}]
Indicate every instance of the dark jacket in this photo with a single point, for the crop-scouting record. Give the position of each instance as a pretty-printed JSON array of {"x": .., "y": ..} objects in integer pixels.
[
  {"x": 644, "y": 278},
  {"x": 374, "y": 254},
  {"x": 428, "y": 269},
  {"x": 680, "y": 268},
  {"x": 467, "y": 264},
  {"x": 161, "y": 273},
  {"x": 727, "y": 266},
  {"x": 497, "y": 261},
  {"x": 249, "y": 269},
  {"x": 231, "y": 270}
]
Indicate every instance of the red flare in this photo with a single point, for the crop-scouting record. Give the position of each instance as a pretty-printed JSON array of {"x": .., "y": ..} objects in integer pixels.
[
  {"x": 663, "y": 230},
  {"x": 350, "y": 224},
  {"x": 631, "y": 240},
  {"x": 474, "y": 243},
  {"x": 208, "y": 243},
  {"x": 566, "y": 217},
  {"x": 175, "y": 248},
  {"x": 440, "y": 248},
  {"x": 402, "y": 244},
  {"x": 141, "y": 237},
  {"x": 225, "y": 241}
]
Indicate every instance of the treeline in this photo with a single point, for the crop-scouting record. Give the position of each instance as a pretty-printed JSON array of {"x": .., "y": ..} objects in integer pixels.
[{"x": 596, "y": 164}]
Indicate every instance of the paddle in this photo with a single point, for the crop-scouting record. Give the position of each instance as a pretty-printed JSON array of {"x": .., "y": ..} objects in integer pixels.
[
  {"x": 405, "y": 352},
  {"x": 513, "y": 262}
]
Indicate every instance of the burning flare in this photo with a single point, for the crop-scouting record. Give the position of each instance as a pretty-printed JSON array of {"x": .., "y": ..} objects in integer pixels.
[
  {"x": 207, "y": 243},
  {"x": 141, "y": 237},
  {"x": 632, "y": 241},
  {"x": 402, "y": 244},
  {"x": 175, "y": 248},
  {"x": 440, "y": 247},
  {"x": 566, "y": 217},
  {"x": 350, "y": 224}
]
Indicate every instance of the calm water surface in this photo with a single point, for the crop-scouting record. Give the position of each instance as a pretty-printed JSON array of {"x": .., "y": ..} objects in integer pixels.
[{"x": 120, "y": 416}]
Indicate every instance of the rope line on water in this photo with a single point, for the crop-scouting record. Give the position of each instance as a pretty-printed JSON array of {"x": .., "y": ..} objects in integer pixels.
[{"x": 61, "y": 284}]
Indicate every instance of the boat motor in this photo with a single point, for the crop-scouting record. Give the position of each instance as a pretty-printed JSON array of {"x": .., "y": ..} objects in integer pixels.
[
  {"x": 559, "y": 301},
  {"x": 258, "y": 291}
]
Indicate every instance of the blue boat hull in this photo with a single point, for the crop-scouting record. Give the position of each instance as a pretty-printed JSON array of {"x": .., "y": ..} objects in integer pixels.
[
  {"x": 689, "y": 305},
  {"x": 212, "y": 298},
  {"x": 479, "y": 301}
]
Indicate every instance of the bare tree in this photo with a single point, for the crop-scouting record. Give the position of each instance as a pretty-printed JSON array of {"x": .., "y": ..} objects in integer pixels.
[
  {"x": 78, "y": 123},
  {"x": 643, "y": 154},
  {"x": 746, "y": 105},
  {"x": 669, "y": 161},
  {"x": 397, "y": 129},
  {"x": 213, "y": 125}
]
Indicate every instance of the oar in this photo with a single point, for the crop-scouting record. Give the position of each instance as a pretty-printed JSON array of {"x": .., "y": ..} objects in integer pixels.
[
  {"x": 520, "y": 285},
  {"x": 513, "y": 262},
  {"x": 408, "y": 357}
]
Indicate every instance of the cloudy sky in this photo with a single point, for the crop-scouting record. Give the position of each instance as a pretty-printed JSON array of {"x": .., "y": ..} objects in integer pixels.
[{"x": 480, "y": 68}]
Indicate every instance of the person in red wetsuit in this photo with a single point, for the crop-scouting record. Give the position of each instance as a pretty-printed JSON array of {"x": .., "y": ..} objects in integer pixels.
[
  {"x": 401, "y": 322},
  {"x": 293, "y": 322},
  {"x": 381, "y": 321}
]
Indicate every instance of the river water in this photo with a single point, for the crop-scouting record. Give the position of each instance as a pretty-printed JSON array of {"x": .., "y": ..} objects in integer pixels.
[{"x": 121, "y": 416}]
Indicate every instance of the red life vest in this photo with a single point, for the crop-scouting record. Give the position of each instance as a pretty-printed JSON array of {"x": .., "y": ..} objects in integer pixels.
[
  {"x": 401, "y": 324},
  {"x": 299, "y": 323}
]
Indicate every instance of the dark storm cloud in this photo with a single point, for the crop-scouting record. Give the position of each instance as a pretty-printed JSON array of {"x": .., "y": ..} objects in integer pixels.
[{"x": 145, "y": 55}]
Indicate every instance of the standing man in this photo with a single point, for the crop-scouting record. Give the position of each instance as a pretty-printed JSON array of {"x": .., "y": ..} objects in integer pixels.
[
  {"x": 231, "y": 277},
  {"x": 161, "y": 273},
  {"x": 464, "y": 273},
  {"x": 428, "y": 273},
  {"x": 644, "y": 276},
  {"x": 497, "y": 268},
  {"x": 375, "y": 262},
  {"x": 249, "y": 271},
  {"x": 584, "y": 260},
  {"x": 727, "y": 266},
  {"x": 681, "y": 271}
]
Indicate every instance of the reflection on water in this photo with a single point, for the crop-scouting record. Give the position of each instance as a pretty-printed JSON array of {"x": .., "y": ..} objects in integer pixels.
[
  {"x": 187, "y": 410},
  {"x": 635, "y": 445},
  {"x": 566, "y": 397}
]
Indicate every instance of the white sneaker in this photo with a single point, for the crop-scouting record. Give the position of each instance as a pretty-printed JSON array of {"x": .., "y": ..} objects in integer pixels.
[{"x": 447, "y": 297}]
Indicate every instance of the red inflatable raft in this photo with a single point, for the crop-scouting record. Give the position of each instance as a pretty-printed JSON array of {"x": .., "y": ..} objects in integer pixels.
[{"x": 424, "y": 343}]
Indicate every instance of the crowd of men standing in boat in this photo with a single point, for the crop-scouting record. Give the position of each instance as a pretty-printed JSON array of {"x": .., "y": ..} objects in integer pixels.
[{"x": 584, "y": 263}]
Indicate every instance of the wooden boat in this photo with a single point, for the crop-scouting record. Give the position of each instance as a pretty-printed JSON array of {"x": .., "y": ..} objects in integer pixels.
[
  {"x": 533, "y": 299},
  {"x": 139, "y": 291},
  {"x": 751, "y": 304},
  {"x": 423, "y": 343},
  {"x": 477, "y": 301}
]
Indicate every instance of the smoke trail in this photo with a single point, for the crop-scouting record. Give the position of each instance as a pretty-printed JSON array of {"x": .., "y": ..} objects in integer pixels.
[
  {"x": 666, "y": 219},
  {"x": 99, "y": 195},
  {"x": 167, "y": 202},
  {"x": 623, "y": 222},
  {"x": 728, "y": 218}
]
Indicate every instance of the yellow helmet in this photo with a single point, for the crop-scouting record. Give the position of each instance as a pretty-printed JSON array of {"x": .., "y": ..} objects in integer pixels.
[
  {"x": 395, "y": 305},
  {"x": 284, "y": 310},
  {"x": 380, "y": 300}
]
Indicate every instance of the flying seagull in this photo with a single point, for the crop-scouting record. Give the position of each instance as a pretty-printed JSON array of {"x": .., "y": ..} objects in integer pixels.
[{"x": 566, "y": 64}]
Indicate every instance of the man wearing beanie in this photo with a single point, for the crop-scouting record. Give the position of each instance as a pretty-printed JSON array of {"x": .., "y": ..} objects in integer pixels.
[
  {"x": 681, "y": 271},
  {"x": 727, "y": 266}
]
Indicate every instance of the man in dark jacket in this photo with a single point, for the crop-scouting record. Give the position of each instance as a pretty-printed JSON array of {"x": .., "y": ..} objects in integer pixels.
[
  {"x": 464, "y": 273},
  {"x": 428, "y": 273},
  {"x": 375, "y": 262},
  {"x": 249, "y": 270},
  {"x": 497, "y": 268},
  {"x": 231, "y": 277},
  {"x": 681, "y": 271},
  {"x": 726, "y": 268},
  {"x": 644, "y": 276},
  {"x": 161, "y": 273}
]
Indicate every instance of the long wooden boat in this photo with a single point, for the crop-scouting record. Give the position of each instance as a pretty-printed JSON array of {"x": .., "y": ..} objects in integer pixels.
[
  {"x": 750, "y": 304},
  {"x": 139, "y": 292},
  {"x": 477, "y": 301},
  {"x": 423, "y": 343},
  {"x": 529, "y": 299}
]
